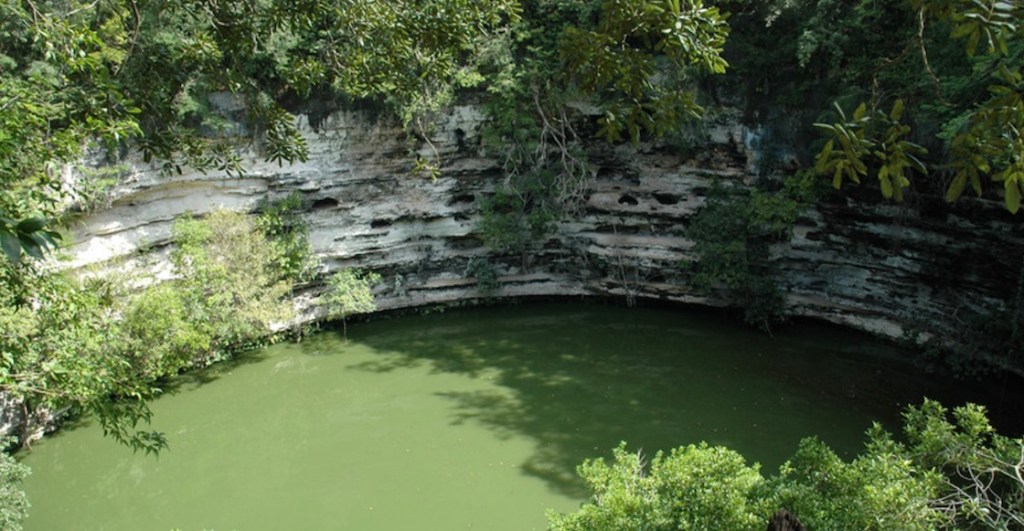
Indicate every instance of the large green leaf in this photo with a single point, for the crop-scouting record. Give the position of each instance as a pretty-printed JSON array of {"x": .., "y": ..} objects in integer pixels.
[
  {"x": 1013, "y": 194},
  {"x": 11, "y": 246},
  {"x": 30, "y": 225}
]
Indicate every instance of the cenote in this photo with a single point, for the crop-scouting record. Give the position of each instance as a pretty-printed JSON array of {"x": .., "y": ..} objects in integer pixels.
[{"x": 467, "y": 419}]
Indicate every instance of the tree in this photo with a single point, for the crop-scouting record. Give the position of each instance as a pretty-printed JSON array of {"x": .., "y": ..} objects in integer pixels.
[
  {"x": 638, "y": 60},
  {"x": 13, "y": 504},
  {"x": 175, "y": 78},
  {"x": 349, "y": 293},
  {"x": 693, "y": 487},
  {"x": 950, "y": 475},
  {"x": 983, "y": 135}
]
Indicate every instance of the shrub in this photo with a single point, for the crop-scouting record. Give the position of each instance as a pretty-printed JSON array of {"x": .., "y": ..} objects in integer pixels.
[
  {"x": 348, "y": 293},
  {"x": 694, "y": 487},
  {"x": 13, "y": 503},
  {"x": 949, "y": 475}
]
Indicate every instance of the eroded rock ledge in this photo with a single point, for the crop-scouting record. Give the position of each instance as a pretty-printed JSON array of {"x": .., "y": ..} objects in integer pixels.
[{"x": 865, "y": 264}]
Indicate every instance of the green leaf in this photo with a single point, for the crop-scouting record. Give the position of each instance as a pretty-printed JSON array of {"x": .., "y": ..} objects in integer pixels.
[
  {"x": 30, "y": 225},
  {"x": 11, "y": 246},
  {"x": 31, "y": 247},
  {"x": 883, "y": 179},
  {"x": 1012, "y": 195},
  {"x": 826, "y": 152},
  {"x": 859, "y": 113},
  {"x": 976, "y": 183},
  {"x": 897, "y": 111},
  {"x": 956, "y": 188}
]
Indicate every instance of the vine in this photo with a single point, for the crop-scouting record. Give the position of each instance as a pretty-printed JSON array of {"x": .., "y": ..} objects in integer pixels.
[{"x": 732, "y": 235}]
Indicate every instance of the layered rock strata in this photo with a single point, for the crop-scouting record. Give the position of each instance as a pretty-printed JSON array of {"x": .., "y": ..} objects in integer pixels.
[{"x": 862, "y": 263}]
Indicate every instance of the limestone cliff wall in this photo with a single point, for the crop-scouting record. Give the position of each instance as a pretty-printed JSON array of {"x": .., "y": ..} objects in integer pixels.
[{"x": 862, "y": 263}]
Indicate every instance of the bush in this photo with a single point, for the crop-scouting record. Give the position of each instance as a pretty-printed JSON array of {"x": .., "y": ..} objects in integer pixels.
[
  {"x": 163, "y": 335},
  {"x": 348, "y": 293},
  {"x": 68, "y": 346},
  {"x": 13, "y": 503},
  {"x": 231, "y": 278},
  {"x": 694, "y": 487},
  {"x": 950, "y": 475},
  {"x": 880, "y": 489},
  {"x": 732, "y": 235}
]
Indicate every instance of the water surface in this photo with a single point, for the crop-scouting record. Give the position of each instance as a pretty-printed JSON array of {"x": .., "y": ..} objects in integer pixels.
[{"x": 471, "y": 419}]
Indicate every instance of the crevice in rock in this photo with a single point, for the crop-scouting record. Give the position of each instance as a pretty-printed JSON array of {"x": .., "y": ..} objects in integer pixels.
[
  {"x": 666, "y": 199},
  {"x": 462, "y": 198},
  {"x": 325, "y": 203}
]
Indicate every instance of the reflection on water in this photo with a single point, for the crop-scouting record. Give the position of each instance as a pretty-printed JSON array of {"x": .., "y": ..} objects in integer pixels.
[{"x": 474, "y": 418}]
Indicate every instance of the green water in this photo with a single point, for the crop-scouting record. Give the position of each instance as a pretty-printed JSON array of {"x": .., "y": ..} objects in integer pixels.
[{"x": 471, "y": 419}]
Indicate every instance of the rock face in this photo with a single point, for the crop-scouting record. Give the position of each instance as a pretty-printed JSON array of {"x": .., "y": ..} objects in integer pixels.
[{"x": 861, "y": 263}]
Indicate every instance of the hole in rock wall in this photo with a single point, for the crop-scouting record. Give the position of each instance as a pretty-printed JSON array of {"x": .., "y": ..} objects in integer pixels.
[
  {"x": 380, "y": 223},
  {"x": 325, "y": 203},
  {"x": 460, "y": 138},
  {"x": 666, "y": 199},
  {"x": 462, "y": 198},
  {"x": 628, "y": 200}
]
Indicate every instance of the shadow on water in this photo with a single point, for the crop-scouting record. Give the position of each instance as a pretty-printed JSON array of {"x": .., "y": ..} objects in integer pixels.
[
  {"x": 194, "y": 379},
  {"x": 578, "y": 379},
  {"x": 171, "y": 386}
]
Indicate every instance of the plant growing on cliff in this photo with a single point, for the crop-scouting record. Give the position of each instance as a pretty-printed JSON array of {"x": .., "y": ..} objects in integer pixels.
[
  {"x": 94, "y": 347},
  {"x": 485, "y": 274},
  {"x": 349, "y": 292},
  {"x": 519, "y": 214},
  {"x": 732, "y": 235},
  {"x": 281, "y": 222},
  {"x": 231, "y": 279},
  {"x": 629, "y": 66},
  {"x": 61, "y": 353}
]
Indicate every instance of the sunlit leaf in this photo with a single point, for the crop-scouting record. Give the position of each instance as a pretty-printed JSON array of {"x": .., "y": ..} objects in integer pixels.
[
  {"x": 957, "y": 186},
  {"x": 1013, "y": 194}
]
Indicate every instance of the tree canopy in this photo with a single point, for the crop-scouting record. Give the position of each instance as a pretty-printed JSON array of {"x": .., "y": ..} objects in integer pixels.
[{"x": 182, "y": 81}]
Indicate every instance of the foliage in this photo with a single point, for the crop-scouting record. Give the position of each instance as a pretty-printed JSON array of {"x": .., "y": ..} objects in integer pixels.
[
  {"x": 13, "y": 503},
  {"x": 851, "y": 143},
  {"x": 176, "y": 78},
  {"x": 28, "y": 235},
  {"x": 629, "y": 63},
  {"x": 515, "y": 217},
  {"x": 163, "y": 335},
  {"x": 93, "y": 190},
  {"x": 282, "y": 224},
  {"x": 637, "y": 59},
  {"x": 71, "y": 346},
  {"x": 983, "y": 471},
  {"x": 983, "y": 137},
  {"x": 56, "y": 93},
  {"x": 732, "y": 235},
  {"x": 949, "y": 475},
  {"x": 349, "y": 292},
  {"x": 231, "y": 281},
  {"x": 694, "y": 487},
  {"x": 485, "y": 274},
  {"x": 880, "y": 489},
  {"x": 60, "y": 353}
]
